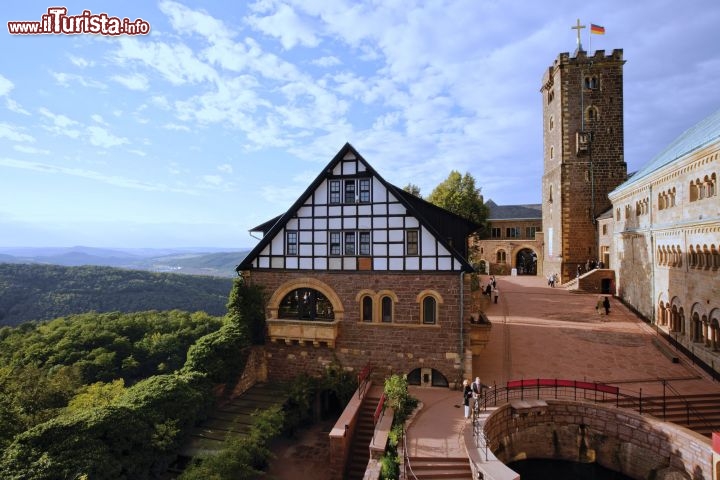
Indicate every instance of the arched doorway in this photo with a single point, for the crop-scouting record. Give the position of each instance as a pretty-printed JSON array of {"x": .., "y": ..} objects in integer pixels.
[
  {"x": 526, "y": 262},
  {"x": 427, "y": 377}
]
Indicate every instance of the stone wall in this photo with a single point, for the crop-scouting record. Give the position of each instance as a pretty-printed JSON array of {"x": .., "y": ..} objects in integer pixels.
[
  {"x": 640, "y": 447},
  {"x": 397, "y": 347}
]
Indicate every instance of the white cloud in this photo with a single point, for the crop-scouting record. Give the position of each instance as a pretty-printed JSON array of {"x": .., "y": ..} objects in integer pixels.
[
  {"x": 14, "y": 106},
  {"x": 328, "y": 61},
  {"x": 5, "y": 86},
  {"x": 213, "y": 179},
  {"x": 175, "y": 126},
  {"x": 31, "y": 150},
  {"x": 115, "y": 180},
  {"x": 61, "y": 125},
  {"x": 81, "y": 62},
  {"x": 98, "y": 119},
  {"x": 177, "y": 63},
  {"x": 13, "y": 133},
  {"x": 133, "y": 82},
  {"x": 100, "y": 137},
  {"x": 65, "y": 79},
  {"x": 285, "y": 25},
  {"x": 139, "y": 153},
  {"x": 225, "y": 168}
]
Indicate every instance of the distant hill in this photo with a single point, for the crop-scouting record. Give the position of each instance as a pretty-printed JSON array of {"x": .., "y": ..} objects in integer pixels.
[
  {"x": 197, "y": 261},
  {"x": 42, "y": 292}
]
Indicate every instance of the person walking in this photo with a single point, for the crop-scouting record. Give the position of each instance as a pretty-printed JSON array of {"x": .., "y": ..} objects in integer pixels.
[
  {"x": 467, "y": 395},
  {"x": 606, "y": 304},
  {"x": 496, "y": 293}
]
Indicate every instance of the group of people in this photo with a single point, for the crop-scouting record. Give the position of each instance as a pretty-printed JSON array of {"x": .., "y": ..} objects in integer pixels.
[
  {"x": 473, "y": 394},
  {"x": 589, "y": 266},
  {"x": 491, "y": 289},
  {"x": 603, "y": 303},
  {"x": 553, "y": 278}
]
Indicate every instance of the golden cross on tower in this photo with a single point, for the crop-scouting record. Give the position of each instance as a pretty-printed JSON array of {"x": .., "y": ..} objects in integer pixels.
[{"x": 578, "y": 27}]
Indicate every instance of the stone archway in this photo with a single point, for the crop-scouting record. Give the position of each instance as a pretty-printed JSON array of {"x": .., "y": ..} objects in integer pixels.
[
  {"x": 283, "y": 290},
  {"x": 526, "y": 261}
]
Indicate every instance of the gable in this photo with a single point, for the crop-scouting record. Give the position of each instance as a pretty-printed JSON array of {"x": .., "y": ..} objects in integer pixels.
[{"x": 350, "y": 218}]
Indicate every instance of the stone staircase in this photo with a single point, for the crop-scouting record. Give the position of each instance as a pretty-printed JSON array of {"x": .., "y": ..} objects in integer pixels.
[
  {"x": 231, "y": 419},
  {"x": 435, "y": 468},
  {"x": 698, "y": 412},
  {"x": 360, "y": 447}
]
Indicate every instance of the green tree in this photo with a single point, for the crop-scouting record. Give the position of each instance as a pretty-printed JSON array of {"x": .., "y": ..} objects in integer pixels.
[
  {"x": 246, "y": 309},
  {"x": 96, "y": 395},
  {"x": 459, "y": 195},
  {"x": 413, "y": 189}
]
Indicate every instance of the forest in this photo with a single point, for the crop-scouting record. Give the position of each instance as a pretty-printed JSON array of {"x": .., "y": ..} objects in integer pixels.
[{"x": 43, "y": 292}]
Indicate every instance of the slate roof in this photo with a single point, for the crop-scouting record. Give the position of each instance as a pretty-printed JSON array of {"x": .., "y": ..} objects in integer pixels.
[
  {"x": 455, "y": 229},
  {"x": 696, "y": 137},
  {"x": 514, "y": 212}
]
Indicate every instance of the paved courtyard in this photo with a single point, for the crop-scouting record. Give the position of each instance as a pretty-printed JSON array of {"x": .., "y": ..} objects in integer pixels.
[{"x": 538, "y": 332}]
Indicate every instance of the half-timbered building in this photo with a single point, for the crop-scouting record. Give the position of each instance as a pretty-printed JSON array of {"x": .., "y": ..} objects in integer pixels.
[{"x": 359, "y": 271}]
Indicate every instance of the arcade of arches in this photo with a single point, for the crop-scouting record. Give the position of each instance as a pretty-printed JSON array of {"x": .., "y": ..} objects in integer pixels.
[{"x": 700, "y": 328}]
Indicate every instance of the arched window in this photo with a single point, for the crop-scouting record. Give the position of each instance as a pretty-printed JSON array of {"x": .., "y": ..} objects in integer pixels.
[
  {"x": 306, "y": 304},
  {"x": 367, "y": 309},
  {"x": 429, "y": 310},
  {"x": 694, "y": 191},
  {"x": 387, "y": 309},
  {"x": 500, "y": 256}
]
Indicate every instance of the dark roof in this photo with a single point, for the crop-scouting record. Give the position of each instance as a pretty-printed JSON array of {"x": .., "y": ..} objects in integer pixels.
[
  {"x": 606, "y": 214},
  {"x": 514, "y": 212},
  {"x": 454, "y": 228}
]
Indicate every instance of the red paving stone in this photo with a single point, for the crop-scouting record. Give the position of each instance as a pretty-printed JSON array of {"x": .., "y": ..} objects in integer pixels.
[{"x": 540, "y": 332}]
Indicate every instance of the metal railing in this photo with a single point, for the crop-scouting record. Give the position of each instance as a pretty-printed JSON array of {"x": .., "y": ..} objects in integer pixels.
[{"x": 539, "y": 388}]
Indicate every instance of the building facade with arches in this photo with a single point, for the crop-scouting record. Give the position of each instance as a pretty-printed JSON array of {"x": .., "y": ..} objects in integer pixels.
[
  {"x": 359, "y": 271},
  {"x": 666, "y": 239},
  {"x": 514, "y": 243}
]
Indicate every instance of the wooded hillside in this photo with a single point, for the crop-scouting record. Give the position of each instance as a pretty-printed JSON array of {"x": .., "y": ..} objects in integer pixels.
[{"x": 43, "y": 292}]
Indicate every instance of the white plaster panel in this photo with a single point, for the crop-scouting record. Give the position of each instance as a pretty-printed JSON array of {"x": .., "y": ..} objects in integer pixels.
[
  {"x": 264, "y": 262},
  {"x": 306, "y": 236},
  {"x": 365, "y": 209},
  {"x": 411, "y": 222},
  {"x": 379, "y": 263},
  {"x": 320, "y": 224},
  {"x": 412, "y": 263},
  {"x": 320, "y": 236},
  {"x": 321, "y": 194},
  {"x": 306, "y": 223},
  {"x": 349, "y": 223},
  {"x": 305, "y": 211},
  {"x": 428, "y": 243},
  {"x": 397, "y": 249},
  {"x": 334, "y": 211},
  {"x": 292, "y": 224},
  {"x": 379, "y": 248},
  {"x": 320, "y": 249},
  {"x": 349, "y": 210},
  {"x": 306, "y": 250},
  {"x": 291, "y": 263},
  {"x": 320, "y": 263},
  {"x": 379, "y": 209},
  {"x": 445, "y": 263},
  {"x": 335, "y": 263},
  {"x": 380, "y": 236},
  {"x": 396, "y": 222},
  {"x": 364, "y": 223},
  {"x": 277, "y": 262},
  {"x": 321, "y": 210},
  {"x": 428, "y": 263},
  {"x": 278, "y": 243},
  {"x": 379, "y": 222},
  {"x": 306, "y": 263},
  {"x": 349, "y": 263},
  {"x": 396, "y": 264},
  {"x": 396, "y": 209},
  {"x": 349, "y": 168},
  {"x": 396, "y": 235},
  {"x": 335, "y": 224}
]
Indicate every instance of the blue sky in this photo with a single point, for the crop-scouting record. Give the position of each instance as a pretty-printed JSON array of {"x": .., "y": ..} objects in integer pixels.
[{"x": 219, "y": 118}]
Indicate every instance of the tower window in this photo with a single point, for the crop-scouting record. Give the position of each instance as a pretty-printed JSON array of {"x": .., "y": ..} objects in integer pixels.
[{"x": 591, "y": 82}]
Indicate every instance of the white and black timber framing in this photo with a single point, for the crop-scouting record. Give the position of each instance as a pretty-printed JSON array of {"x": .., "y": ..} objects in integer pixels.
[{"x": 351, "y": 219}]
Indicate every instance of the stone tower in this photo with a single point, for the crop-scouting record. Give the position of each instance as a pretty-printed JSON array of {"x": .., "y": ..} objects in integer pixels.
[{"x": 582, "y": 99}]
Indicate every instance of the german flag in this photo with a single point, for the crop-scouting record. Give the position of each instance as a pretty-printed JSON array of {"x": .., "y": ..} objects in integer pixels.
[{"x": 597, "y": 29}]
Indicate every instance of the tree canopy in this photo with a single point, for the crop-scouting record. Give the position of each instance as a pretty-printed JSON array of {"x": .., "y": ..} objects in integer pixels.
[{"x": 459, "y": 195}]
